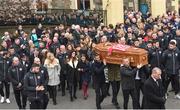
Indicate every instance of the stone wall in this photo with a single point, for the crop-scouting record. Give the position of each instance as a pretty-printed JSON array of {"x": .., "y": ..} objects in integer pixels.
[{"x": 61, "y": 4}]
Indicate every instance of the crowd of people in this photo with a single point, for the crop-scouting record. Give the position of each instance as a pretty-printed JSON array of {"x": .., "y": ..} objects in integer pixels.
[
  {"x": 55, "y": 17},
  {"x": 64, "y": 58}
]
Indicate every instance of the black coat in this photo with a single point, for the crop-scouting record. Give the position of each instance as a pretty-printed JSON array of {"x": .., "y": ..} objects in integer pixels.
[
  {"x": 85, "y": 73},
  {"x": 72, "y": 73},
  {"x": 128, "y": 77},
  {"x": 16, "y": 75},
  {"x": 44, "y": 74},
  {"x": 98, "y": 72},
  {"x": 53, "y": 47},
  {"x": 31, "y": 81},
  {"x": 155, "y": 57},
  {"x": 171, "y": 61},
  {"x": 153, "y": 94},
  {"x": 4, "y": 65},
  {"x": 62, "y": 57},
  {"x": 26, "y": 64},
  {"x": 144, "y": 73}
]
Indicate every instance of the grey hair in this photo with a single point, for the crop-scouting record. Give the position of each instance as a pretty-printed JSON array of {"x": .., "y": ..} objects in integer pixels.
[{"x": 156, "y": 69}]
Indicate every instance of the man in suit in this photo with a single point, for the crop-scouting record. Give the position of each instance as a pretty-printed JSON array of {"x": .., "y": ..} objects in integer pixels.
[{"x": 154, "y": 94}]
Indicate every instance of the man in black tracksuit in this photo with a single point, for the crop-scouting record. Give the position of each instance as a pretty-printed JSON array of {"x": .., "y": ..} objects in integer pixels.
[
  {"x": 155, "y": 55},
  {"x": 4, "y": 80},
  {"x": 128, "y": 83},
  {"x": 16, "y": 75},
  {"x": 99, "y": 80},
  {"x": 171, "y": 65},
  {"x": 155, "y": 58},
  {"x": 34, "y": 84},
  {"x": 45, "y": 76}
]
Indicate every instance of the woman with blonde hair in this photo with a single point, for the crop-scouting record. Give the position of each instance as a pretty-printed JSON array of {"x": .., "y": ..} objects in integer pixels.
[{"x": 53, "y": 68}]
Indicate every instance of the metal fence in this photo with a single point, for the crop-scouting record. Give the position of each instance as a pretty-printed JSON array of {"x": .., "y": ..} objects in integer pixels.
[{"x": 60, "y": 16}]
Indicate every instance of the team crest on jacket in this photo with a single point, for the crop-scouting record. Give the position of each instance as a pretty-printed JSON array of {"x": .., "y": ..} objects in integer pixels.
[
  {"x": 13, "y": 70},
  {"x": 7, "y": 62},
  {"x": 27, "y": 65},
  {"x": 30, "y": 77},
  {"x": 42, "y": 71},
  {"x": 20, "y": 69},
  {"x": 176, "y": 54},
  {"x": 38, "y": 77},
  {"x": 169, "y": 55}
]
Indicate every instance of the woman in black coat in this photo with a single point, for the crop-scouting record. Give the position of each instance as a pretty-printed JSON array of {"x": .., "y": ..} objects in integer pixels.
[
  {"x": 72, "y": 75},
  {"x": 83, "y": 68}
]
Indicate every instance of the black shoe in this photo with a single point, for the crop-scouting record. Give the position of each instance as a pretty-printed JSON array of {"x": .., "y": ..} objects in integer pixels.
[
  {"x": 117, "y": 106},
  {"x": 72, "y": 99},
  {"x": 172, "y": 90},
  {"x": 108, "y": 94},
  {"x": 115, "y": 103},
  {"x": 99, "y": 107},
  {"x": 63, "y": 94},
  {"x": 54, "y": 103},
  {"x": 59, "y": 89},
  {"x": 75, "y": 97},
  {"x": 85, "y": 97}
]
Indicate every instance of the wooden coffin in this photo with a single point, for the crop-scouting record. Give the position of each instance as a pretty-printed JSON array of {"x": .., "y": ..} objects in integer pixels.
[{"x": 136, "y": 55}]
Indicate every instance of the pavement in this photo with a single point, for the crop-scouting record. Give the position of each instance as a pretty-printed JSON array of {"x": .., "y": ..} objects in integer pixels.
[{"x": 65, "y": 103}]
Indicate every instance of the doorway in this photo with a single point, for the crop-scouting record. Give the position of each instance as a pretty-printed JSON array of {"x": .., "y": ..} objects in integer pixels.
[{"x": 83, "y": 4}]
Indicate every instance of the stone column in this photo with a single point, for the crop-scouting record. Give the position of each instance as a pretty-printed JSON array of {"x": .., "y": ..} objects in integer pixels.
[
  {"x": 158, "y": 7},
  {"x": 73, "y": 4},
  {"x": 175, "y": 3},
  {"x": 92, "y": 5},
  {"x": 115, "y": 11}
]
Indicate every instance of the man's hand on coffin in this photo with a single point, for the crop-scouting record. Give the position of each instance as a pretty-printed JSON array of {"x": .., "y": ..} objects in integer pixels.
[
  {"x": 104, "y": 61},
  {"x": 139, "y": 66}
]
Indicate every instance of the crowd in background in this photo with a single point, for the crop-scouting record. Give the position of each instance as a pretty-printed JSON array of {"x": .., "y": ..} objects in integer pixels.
[
  {"x": 66, "y": 54},
  {"x": 55, "y": 17}
]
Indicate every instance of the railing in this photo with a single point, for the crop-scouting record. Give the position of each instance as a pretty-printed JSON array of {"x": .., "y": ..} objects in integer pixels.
[{"x": 59, "y": 16}]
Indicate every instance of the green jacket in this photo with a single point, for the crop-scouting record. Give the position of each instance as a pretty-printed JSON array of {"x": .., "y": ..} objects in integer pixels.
[{"x": 114, "y": 72}]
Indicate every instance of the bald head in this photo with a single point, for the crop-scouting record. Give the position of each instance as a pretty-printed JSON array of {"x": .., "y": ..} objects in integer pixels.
[
  {"x": 37, "y": 61},
  {"x": 62, "y": 48}
]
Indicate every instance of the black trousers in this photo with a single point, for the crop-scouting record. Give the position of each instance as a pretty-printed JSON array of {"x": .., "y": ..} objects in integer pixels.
[
  {"x": 115, "y": 90},
  {"x": 7, "y": 88},
  {"x": 36, "y": 104},
  {"x": 63, "y": 83},
  {"x": 52, "y": 92},
  {"x": 21, "y": 98},
  {"x": 107, "y": 88},
  {"x": 73, "y": 89},
  {"x": 174, "y": 79},
  {"x": 126, "y": 94},
  {"x": 100, "y": 90},
  {"x": 139, "y": 88},
  {"x": 45, "y": 101}
]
